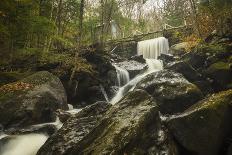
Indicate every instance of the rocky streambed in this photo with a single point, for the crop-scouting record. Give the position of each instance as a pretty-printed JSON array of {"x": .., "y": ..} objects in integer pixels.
[{"x": 184, "y": 109}]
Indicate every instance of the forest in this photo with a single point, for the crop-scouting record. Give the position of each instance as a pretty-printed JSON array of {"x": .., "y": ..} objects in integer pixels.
[{"x": 115, "y": 77}]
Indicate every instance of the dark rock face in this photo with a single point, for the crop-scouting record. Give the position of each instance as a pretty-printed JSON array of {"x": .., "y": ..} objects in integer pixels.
[
  {"x": 191, "y": 75},
  {"x": 74, "y": 130},
  {"x": 130, "y": 127},
  {"x": 172, "y": 91},
  {"x": 203, "y": 128},
  {"x": 138, "y": 58},
  {"x": 85, "y": 87},
  {"x": 32, "y": 100},
  {"x": 185, "y": 69},
  {"x": 212, "y": 62},
  {"x": 221, "y": 73},
  {"x": 133, "y": 67},
  {"x": 166, "y": 58}
]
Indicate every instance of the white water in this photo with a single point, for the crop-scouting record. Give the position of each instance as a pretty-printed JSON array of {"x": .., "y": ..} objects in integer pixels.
[
  {"x": 153, "y": 48},
  {"x": 123, "y": 76},
  {"x": 57, "y": 123},
  {"x": 153, "y": 66},
  {"x": 104, "y": 93},
  {"x": 24, "y": 145}
]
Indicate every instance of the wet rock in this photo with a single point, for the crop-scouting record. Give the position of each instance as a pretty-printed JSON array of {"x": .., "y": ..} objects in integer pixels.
[
  {"x": 203, "y": 128},
  {"x": 133, "y": 67},
  {"x": 166, "y": 58},
  {"x": 138, "y": 58},
  {"x": 132, "y": 126},
  {"x": 191, "y": 75},
  {"x": 32, "y": 100},
  {"x": 63, "y": 115},
  {"x": 74, "y": 130},
  {"x": 185, "y": 69},
  {"x": 84, "y": 89},
  {"x": 220, "y": 73},
  {"x": 172, "y": 91}
]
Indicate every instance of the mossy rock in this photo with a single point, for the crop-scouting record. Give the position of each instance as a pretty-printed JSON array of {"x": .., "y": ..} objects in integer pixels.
[
  {"x": 172, "y": 91},
  {"x": 31, "y": 100},
  {"x": 131, "y": 126},
  {"x": 74, "y": 130},
  {"x": 221, "y": 73},
  {"x": 202, "y": 129},
  {"x": 206, "y": 54}
]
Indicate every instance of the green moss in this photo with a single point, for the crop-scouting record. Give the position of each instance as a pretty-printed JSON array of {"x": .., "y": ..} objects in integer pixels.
[
  {"x": 220, "y": 66},
  {"x": 39, "y": 78},
  {"x": 6, "y": 96},
  {"x": 210, "y": 48},
  {"x": 215, "y": 101}
]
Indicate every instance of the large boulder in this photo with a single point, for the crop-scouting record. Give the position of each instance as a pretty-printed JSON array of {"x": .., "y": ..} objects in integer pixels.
[
  {"x": 179, "y": 49},
  {"x": 172, "y": 91},
  {"x": 74, "y": 130},
  {"x": 212, "y": 61},
  {"x": 132, "y": 126},
  {"x": 203, "y": 128},
  {"x": 220, "y": 73},
  {"x": 192, "y": 75},
  {"x": 185, "y": 69},
  {"x": 32, "y": 100}
]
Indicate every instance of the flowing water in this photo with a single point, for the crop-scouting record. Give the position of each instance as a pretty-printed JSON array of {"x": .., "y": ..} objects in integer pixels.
[
  {"x": 29, "y": 144},
  {"x": 152, "y": 49},
  {"x": 123, "y": 76},
  {"x": 24, "y": 145},
  {"x": 153, "y": 66}
]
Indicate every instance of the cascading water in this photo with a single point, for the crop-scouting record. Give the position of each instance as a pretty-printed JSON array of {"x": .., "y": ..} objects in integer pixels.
[
  {"x": 28, "y": 144},
  {"x": 24, "y": 145},
  {"x": 152, "y": 49},
  {"x": 122, "y": 76},
  {"x": 153, "y": 66},
  {"x": 104, "y": 93}
]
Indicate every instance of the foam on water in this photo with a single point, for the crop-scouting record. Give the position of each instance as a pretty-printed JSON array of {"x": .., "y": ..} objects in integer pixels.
[{"x": 24, "y": 145}]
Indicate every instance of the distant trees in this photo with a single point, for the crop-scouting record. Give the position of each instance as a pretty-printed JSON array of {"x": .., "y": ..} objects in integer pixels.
[{"x": 44, "y": 25}]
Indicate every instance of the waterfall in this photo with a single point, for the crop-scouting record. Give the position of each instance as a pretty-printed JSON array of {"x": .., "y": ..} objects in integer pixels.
[
  {"x": 24, "y": 145},
  {"x": 152, "y": 49},
  {"x": 104, "y": 93},
  {"x": 153, "y": 66},
  {"x": 122, "y": 76}
]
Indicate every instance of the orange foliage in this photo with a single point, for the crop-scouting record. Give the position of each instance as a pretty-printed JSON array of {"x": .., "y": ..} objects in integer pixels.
[
  {"x": 15, "y": 87},
  {"x": 193, "y": 40}
]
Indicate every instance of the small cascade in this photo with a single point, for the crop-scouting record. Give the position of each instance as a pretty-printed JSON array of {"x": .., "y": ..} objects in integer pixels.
[
  {"x": 24, "y": 145},
  {"x": 72, "y": 110},
  {"x": 153, "y": 48},
  {"x": 122, "y": 76},
  {"x": 153, "y": 66},
  {"x": 104, "y": 93}
]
